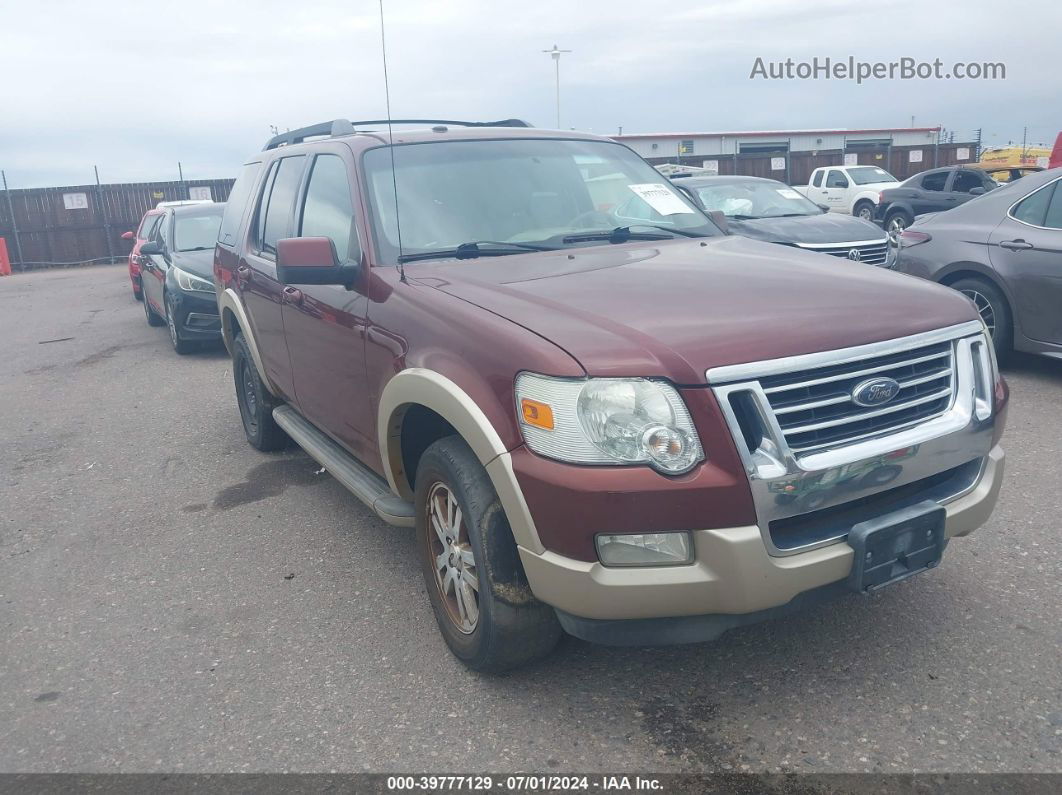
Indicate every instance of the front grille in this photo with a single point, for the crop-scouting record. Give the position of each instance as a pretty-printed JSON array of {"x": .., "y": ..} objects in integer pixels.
[
  {"x": 870, "y": 253},
  {"x": 815, "y": 410}
]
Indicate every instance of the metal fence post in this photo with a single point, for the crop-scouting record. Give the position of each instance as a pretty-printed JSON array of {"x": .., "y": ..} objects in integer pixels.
[
  {"x": 102, "y": 210},
  {"x": 14, "y": 223}
]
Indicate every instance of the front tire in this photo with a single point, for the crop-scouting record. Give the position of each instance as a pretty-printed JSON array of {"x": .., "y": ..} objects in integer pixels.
[
  {"x": 153, "y": 320},
  {"x": 476, "y": 584},
  {"x": 993, "y": 309},
  {"x": 174, "y": 326},
  {"x": 256, "y": 404},
  {"x": 864, "y": 210}
]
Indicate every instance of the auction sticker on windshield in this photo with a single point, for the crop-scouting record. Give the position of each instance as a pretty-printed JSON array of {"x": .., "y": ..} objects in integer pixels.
[
  {"x": 789, "y": 193},
  {"x": 660, "y": 198}
]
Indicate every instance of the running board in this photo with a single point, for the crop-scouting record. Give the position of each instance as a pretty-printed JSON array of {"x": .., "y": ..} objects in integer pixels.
[{"x": 365, "y": 484}]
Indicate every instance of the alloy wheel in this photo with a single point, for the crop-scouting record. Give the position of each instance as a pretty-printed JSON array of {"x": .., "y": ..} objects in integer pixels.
[
  {"x": 895, "y": 228},
  {"x": 172, "y": 324},
  {"x": 984, "y": 309},
  {"x": 453, "y": 559}
]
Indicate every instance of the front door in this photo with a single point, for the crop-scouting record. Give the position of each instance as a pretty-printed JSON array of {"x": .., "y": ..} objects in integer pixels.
[
  {"x": 325, "y": 324},
  {"x": 154, "y": 266},
  {"x": 1026, "y": 249},
  {"x": 835, "y": 192}
]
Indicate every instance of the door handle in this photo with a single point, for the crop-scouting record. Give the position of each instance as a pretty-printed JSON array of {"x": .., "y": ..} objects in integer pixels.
[
  {"x": 293, "y": 295},
  {"x": 1016, "y": 245}
]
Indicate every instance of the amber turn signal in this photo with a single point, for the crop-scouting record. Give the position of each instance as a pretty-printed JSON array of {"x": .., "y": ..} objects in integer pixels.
[{"x": 538, "y": 414}]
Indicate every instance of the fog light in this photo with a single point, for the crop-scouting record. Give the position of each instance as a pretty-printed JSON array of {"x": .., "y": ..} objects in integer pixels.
[{"x": 645, "y": 549}]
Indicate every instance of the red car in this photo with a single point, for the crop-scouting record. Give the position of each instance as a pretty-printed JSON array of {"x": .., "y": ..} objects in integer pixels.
[{"x": 140, "y": 236}]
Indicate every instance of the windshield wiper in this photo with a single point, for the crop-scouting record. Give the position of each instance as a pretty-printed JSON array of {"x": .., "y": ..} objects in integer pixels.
[
  {"x": 744, "y": 217},
  {"x": 621, "y": 234},
  {"x": 475, "y": 249},
  {"x": 197, "y": 248}
]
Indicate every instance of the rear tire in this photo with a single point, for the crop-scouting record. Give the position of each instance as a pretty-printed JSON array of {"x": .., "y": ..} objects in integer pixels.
[
  {"x": 476, "y": 584},
  {"x": 256, "y": 404},
  {"x": 994, "y": 311},
  {"x": 864, "y": 210},
  {"x": 896, "y": 222}
]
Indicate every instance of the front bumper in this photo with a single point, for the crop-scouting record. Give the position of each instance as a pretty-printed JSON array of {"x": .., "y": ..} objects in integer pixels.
[
  {"x": 197, "y": 315},
  {"x": 733, "y": 581}
]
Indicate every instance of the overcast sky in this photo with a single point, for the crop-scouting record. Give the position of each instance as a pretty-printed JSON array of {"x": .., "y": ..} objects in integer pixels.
[{"x": 135, "y": 87}]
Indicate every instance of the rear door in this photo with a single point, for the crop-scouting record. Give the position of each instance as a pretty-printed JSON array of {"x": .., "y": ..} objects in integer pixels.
[
  {"x": 929, "y": 193},
  {"x": 326, "y": 325},
  {"x": 256, "y": 273},
  {"x": 1026, "y": 249}
]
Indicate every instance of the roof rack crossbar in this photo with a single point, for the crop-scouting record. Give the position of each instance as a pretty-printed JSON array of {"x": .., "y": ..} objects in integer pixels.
[{"x": 345, "y": 127}]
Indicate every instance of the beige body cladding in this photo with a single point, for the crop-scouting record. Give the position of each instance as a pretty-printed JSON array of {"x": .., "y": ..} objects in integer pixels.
[{"x": 733, "y": 574}]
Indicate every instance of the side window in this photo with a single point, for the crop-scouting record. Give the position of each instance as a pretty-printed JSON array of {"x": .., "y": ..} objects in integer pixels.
[
  {"x": 328, "y": 210},
  {"x": 147, "y": 227},
  {"x": 163, "y": 229},
  {"x": 935, "y": 181},
  {"x": 966, "y": 181},
  {"x": 836, "y": 179},
  {"x": 237, "y": 203},
  {"x": 817, "y": 179},
  {"x": 1054, "y": 210},
  {"x": 1033, "y": 207},
  {"x": 276, "y": 210}
]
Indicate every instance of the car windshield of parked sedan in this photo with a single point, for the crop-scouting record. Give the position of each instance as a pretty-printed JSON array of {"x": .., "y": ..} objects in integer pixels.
[
  {"x": 748, "y": 200},
  {"x": 514, "y": 195},
  {"x": 865, "y": 175},
  {"x": 196, "y": 232}
]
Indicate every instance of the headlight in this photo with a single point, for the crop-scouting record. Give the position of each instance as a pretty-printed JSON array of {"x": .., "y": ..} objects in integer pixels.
[
  {"x": 608, "y": 421},
  {"x": 186, "y": 281}
]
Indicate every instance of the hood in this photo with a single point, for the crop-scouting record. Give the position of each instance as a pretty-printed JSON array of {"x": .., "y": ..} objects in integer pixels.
[
  {"x": 674, "y": 309},
  {"x": 809, "y": 229},
  {"x": 198, "y": 263}
]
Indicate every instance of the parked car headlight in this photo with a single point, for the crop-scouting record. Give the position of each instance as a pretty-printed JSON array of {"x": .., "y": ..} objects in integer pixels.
[
  {"x": 188, "y": 281},
  {"x": 608, "y": 421}
]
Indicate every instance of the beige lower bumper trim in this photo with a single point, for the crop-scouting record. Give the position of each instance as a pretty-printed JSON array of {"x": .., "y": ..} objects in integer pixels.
[{"x": 732, "y": 574}]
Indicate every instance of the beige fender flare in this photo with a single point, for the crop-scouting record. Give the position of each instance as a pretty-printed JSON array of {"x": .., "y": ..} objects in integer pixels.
[
  {"x": 229, "y": 301},
  {"x": 427, "y": 388}
]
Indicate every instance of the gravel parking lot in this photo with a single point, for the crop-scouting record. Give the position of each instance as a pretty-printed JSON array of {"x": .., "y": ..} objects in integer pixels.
[{"x": 174, "y": 600}]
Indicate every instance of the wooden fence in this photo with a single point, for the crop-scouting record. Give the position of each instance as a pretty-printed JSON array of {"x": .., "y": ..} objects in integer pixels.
[
  {"x": 796, "y": 167},
  {"x": 46, "y": 227}
]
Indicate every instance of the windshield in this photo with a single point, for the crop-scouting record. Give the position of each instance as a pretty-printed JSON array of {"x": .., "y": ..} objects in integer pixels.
[
  {"x": 755, "y": 200},
  {"x": 519, "y": 191},
  {"x": 864, "y": 175},
  {"x": 196, "y": 232}
]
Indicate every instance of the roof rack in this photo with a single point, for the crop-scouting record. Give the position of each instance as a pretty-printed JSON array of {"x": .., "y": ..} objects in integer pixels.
[{"x": 339, "y": 127}]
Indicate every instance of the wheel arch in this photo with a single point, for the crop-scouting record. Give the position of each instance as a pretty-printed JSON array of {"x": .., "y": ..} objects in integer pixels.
[
  {"x": 234, "y": 320},
  {"x": 417, "y": 398},
  {"x": 972, "y": 271}
]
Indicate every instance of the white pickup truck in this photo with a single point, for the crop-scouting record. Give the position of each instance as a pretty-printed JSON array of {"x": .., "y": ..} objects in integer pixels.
[{"x": 848, "y": 189}]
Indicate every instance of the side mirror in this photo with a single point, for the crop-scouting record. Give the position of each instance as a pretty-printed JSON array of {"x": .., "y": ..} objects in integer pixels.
[
  {"x": 824, "y": 207},
  {"x": 128, "y": 236},
  {"x": 720, "y": 220},
  {"x": 312, "y": 260},
  {"x": 976, "y": 191},
  {"x": 151, "y": 248}
]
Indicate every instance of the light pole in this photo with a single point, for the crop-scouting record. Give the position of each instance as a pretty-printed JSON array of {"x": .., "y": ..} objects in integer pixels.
[{"x": 556, "y": 54}]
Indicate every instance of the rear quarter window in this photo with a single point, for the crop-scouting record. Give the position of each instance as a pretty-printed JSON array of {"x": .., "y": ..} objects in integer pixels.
[{"x": 236, "y": 205}]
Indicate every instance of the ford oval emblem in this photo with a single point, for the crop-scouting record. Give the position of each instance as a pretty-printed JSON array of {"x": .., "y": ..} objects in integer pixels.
[
  {"x": 875, "y": 391},
  {"x": 854, "y": 255}
]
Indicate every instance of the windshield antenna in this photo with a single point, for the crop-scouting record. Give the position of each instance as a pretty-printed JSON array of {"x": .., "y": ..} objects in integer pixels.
[{"x": 391, "y": 142}]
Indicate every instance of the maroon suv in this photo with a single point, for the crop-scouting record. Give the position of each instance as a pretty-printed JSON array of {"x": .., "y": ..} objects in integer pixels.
[{"x": 600, "y": 413}]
